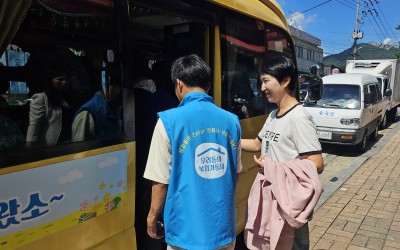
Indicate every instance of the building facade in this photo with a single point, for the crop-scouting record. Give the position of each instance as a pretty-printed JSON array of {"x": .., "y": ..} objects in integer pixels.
[{"x": 308, "y": 51}]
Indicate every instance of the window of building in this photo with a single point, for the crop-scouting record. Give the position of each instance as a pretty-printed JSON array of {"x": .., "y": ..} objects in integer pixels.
[
  {"x": 309, "y": 54},
  {"x": 299, "y": 52}
]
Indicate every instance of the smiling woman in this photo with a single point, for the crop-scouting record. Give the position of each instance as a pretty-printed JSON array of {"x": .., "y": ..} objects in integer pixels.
[{"x": 289, "y": 134}]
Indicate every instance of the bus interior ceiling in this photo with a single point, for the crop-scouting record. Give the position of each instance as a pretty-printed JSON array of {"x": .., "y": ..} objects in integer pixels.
[
  {"x": 151, "y": 29},
  {"x": 147, "y": 30},
  {"x": 44, "y": 26}
]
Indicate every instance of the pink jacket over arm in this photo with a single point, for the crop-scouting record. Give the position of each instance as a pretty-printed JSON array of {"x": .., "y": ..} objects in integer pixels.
[{"x": 288, "y": 191}]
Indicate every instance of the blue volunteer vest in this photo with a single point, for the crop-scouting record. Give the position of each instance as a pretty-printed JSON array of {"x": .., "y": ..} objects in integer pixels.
[
  {"x": 199, "y": 211},
  {"x": 105, "y": 120}
]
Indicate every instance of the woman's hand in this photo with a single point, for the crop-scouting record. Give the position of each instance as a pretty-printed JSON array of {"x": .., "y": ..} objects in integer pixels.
[{"x": 260, "y": 163}]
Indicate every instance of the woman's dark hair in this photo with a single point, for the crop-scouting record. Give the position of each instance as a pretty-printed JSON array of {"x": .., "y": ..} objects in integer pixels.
[
  {"x": 192, "y": 70},
  {"x": 50, "y": 63},
  {"x": 54, "y": 95},
  {"x": 280, "y": 67}
]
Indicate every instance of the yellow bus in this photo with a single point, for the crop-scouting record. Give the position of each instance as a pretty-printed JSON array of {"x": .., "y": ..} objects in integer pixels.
[{"x": 69, "y": 183}]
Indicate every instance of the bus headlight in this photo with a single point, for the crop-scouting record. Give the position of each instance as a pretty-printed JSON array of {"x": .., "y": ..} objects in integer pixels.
[{"x": 350, "y": 121}]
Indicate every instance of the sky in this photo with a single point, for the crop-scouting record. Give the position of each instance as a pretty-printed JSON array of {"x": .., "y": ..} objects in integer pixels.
[{"x": 334, "y": 21}]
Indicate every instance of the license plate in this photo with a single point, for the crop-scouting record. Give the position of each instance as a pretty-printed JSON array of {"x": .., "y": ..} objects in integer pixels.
[{"x": 324, "y": 135}]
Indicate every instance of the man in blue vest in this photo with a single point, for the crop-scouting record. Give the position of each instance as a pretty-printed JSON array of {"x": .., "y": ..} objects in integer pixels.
[
  {"x": 193, "y": 162},
  {"x": 98, "y": 117}
]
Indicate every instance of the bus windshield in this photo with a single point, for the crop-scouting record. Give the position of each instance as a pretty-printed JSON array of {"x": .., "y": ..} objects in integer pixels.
[{"x": 340, "y": 96}]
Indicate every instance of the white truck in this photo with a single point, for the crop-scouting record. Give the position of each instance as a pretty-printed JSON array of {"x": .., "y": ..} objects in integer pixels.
[
  {"x": 349, "y": 111},
  {"x": 388, "y": 73}
]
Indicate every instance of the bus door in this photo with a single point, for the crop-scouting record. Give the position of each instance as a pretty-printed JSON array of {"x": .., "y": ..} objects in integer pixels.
[{"x": 160, "y": 32}]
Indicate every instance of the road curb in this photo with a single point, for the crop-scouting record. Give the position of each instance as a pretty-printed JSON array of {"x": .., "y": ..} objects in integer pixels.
[{"x": 331, "y": 187}]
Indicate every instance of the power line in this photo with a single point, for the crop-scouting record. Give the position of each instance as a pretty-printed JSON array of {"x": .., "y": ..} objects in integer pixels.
[
  {"x": 324, "y": 41},
  {"x": 354, "y": 2},
  {"x": 382, "y": 39},
  {"x": 377, "y": 15},
  {"x": 309, "y": 9},
  {"x": 328, "y": 43},
  {"x": 387, "y": 33},
  {"x": 376, "y": 32},
  {"x": 331, "y": 32},
  {"x": 394, "y": 35},
  {"x": 334, "y": 43},
  {"x": 371, "y": 10},
  {"x": 345, "y": 5}
]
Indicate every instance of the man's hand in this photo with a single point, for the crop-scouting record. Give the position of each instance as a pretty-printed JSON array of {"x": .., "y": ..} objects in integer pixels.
[{"x": 155, "y": 229}]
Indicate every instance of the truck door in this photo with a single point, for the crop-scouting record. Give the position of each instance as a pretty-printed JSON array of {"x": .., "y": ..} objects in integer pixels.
[
  {"x": 375, "y": 107},
  {"x": 366, "y": 116}
]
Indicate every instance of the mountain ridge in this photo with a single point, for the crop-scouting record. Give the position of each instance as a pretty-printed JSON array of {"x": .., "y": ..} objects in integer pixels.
[{"x": 366, "y": 51}]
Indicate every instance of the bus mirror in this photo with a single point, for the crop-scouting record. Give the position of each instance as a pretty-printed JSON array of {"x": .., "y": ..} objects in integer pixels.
[{"x": 315, "y": 86}]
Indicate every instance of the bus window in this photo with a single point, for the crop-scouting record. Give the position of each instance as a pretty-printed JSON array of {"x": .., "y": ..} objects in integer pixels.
[
  {"x": 244, "y": 45},
  {"x": 53, "y": 70},
  {"x": 242, "y": 50},
  {"x": 57, "y": 190}
]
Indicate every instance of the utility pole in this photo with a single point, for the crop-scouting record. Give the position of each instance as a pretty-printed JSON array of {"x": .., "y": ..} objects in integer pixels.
[{"x": 356, "y": 33}]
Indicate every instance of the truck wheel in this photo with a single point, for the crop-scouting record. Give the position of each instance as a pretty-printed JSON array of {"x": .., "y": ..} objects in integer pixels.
[
  {"x": 361, "y": 147},
  {"x": 383, "y": 123},
  {"x": 374, "y": 134}
]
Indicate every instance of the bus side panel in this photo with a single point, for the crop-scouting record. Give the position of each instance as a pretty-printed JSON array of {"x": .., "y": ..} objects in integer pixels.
[
  {"x": 246, "y": 179},
  {"x": 110, "y": 230},
  {"x": 250, "y": 129}
]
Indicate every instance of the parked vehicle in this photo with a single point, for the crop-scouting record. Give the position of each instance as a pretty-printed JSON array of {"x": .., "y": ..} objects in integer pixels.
[
  {"x": 349, "y": 111},
  {"x": 388, "y": 73}
]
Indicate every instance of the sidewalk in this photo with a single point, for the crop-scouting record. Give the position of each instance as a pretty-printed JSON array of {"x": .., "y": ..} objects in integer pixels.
[{"x": 364, "y": 212}]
